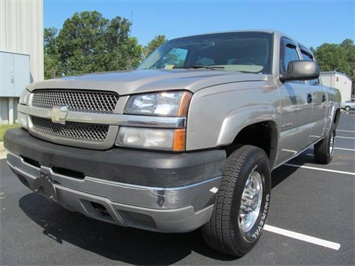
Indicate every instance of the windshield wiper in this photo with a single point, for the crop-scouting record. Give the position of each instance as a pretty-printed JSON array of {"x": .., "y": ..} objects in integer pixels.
[{"x": 201, "y": 66}]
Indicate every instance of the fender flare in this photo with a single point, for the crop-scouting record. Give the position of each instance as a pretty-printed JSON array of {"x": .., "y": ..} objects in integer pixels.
[{"x": 238, "y": 119}]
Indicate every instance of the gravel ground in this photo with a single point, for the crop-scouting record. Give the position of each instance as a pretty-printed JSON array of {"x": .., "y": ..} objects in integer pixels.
[{"x": 2, "y": 151}]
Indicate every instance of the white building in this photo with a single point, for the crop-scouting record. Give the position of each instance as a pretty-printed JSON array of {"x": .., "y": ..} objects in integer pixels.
[
  {"x": 339, "y": 81},
  {"x": 21, "y": 51}
]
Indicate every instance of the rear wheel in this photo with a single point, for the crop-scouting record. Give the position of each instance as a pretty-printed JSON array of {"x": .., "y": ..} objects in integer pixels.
[
  {"x": 324, "y": 149},
  {"x": 347, "y": 108},
  {"x": 242, "y": 203}
]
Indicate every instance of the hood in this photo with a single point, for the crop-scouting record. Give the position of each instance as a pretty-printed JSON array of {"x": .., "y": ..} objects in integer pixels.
[{"x": 140, "y": 81}]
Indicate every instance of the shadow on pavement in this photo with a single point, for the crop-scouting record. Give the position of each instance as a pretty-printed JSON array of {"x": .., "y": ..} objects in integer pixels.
[
  {"x": 283, "y": 172},
  {"x": 116, "y": 243},
  {"x": 124, "y": 244}
]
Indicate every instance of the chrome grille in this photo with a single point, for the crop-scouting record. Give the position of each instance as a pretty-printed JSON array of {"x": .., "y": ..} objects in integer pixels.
[
  {"x": 76, "y": 100},
  {"x": 81, "y": 131}
]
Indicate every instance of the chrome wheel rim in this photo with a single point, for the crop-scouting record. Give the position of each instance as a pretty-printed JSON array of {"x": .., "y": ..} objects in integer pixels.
[
  {"x": 331, "y": 144},
  {"x": 251, "y": 202}
]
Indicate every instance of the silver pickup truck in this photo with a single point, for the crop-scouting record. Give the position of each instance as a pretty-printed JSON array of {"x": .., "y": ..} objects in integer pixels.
[{"x": 187, "y": 140}]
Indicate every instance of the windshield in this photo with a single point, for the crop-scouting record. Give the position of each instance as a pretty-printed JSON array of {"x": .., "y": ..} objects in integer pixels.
[{"x": 238, "y": 51}]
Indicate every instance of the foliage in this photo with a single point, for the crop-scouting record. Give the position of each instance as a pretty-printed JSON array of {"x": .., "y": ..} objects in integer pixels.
[
  {"x": 3, "y": 129},
  {"x": 154, "y": 44},
  {"x": 51, "y": 58},
  {"x": 337, "y": 57},
  {"x": 90, "y": 43}
]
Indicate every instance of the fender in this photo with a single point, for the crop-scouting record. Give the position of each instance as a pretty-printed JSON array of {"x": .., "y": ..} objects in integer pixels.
[
  {"x": 239, "y": 119},
  {"x": 333, "y": 107}
]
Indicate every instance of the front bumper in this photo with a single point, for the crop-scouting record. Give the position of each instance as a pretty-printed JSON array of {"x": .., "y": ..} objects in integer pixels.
[{"x": 174, "y": 204}]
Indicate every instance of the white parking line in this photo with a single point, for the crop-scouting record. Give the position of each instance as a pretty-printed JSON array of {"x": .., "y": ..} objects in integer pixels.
[
  {"x": 344, "y": 149},
  {"x": 345, "y": 131},
  {"x": 337, "y": 148},
  {"x": 302, "y": 237},
  {"x": 340, "y": 137},
  {"x": 319, "y": 169}
]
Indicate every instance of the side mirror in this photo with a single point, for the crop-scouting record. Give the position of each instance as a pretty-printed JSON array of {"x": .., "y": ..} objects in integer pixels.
[{"x": 300, "y": 70}]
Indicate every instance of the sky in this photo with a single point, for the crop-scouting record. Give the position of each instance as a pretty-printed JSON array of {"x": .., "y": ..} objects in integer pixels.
[{"x": 312, "y": 22}]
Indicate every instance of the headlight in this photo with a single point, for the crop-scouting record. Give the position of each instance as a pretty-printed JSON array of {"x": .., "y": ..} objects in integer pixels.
[
  {"x": 168, "y": 104},
  {"x": 24, "y": 97},
  {"x": 148, "y": 138},
  {"x": 173, "y": 103}
]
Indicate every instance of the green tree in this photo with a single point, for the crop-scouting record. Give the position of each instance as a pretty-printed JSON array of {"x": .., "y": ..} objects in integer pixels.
[
  {"x": 154, "y": 44},
  {"x": 88, "y": 42},
  {"x": 51, "y": 57},
  {"x": 337, "y": 57},
  {"x": 349, "y": 47},
  {"x": 332, "y": 57}
]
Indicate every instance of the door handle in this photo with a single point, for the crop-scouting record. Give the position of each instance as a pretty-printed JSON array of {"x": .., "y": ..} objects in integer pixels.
[{"x": 309, "y": 98}]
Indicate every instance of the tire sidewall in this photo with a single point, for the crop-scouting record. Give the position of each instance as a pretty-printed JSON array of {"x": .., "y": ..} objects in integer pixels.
[
  {"x": 324, "y": 150},
  {"x": 330, "y": 146},
  {"x": 246, "y": 241},
  {"x": 328, "y": 142}
]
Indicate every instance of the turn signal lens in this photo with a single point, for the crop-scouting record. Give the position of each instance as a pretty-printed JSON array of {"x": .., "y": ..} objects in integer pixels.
[
  {"x": 155, "y": 139},
  {"x": 179, "y": 140}
]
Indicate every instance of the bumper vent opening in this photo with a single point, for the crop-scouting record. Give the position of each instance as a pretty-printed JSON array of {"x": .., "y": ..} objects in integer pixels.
[
  {"x": 31, "y": 162},
  {"x": 138, "y": 220},
  {"x": 68, "y": 173},
  {"x": 99, "y": 212}
]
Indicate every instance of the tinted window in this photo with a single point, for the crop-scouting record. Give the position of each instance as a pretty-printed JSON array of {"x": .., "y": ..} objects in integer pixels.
[
  {"x": 289, "y": 55},
  {"x": 176, "y": 57},
  {"x": 306, "y": 56},
  {"x": 239, "y": 51}
]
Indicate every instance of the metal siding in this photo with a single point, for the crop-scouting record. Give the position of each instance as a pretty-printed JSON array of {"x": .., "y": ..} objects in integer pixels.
[
  {"x": 343, "y": 84},
  {"x": 21, "y": 31},
  {"x": 4, "y": 115},
  {"x": 4, "y": 110},
  {"x": 21, "y": 73},
  {"x": 7, "y": 86}
]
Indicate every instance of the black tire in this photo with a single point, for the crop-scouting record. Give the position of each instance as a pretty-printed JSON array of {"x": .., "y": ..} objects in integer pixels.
[
  {"x": 347, "y": 108},
  {"x": 324, "y": 149},
  {"x": 227, "y": 231}
]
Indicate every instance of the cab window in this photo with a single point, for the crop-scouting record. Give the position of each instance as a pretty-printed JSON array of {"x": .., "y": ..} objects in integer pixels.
[{"x": 290, "y": 54}]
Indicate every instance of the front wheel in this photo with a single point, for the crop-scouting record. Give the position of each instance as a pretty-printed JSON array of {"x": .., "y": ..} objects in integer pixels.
[
  {"x": 242, "y": 203},
  {"x": 347, "y": 108}
]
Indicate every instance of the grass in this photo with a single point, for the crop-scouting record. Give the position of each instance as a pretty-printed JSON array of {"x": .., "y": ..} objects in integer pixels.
[{"x": 3, "y": 128}]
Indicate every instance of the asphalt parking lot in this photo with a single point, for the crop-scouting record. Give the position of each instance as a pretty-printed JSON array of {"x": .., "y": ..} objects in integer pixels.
[{"x": 311, "y": 222}]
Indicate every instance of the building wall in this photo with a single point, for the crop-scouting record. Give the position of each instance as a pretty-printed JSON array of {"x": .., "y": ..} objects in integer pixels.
[
  {"x": 21, "y": 31},
  {"x": 8, "y": 112},
  {"x": 338, "y": 80}
]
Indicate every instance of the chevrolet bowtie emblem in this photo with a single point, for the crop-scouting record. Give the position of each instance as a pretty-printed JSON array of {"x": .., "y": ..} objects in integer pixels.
[{"x": 58, "y": 114}]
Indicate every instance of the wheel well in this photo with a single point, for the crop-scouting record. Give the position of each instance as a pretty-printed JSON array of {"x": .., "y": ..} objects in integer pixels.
[{"x": 262, "y": 135}]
